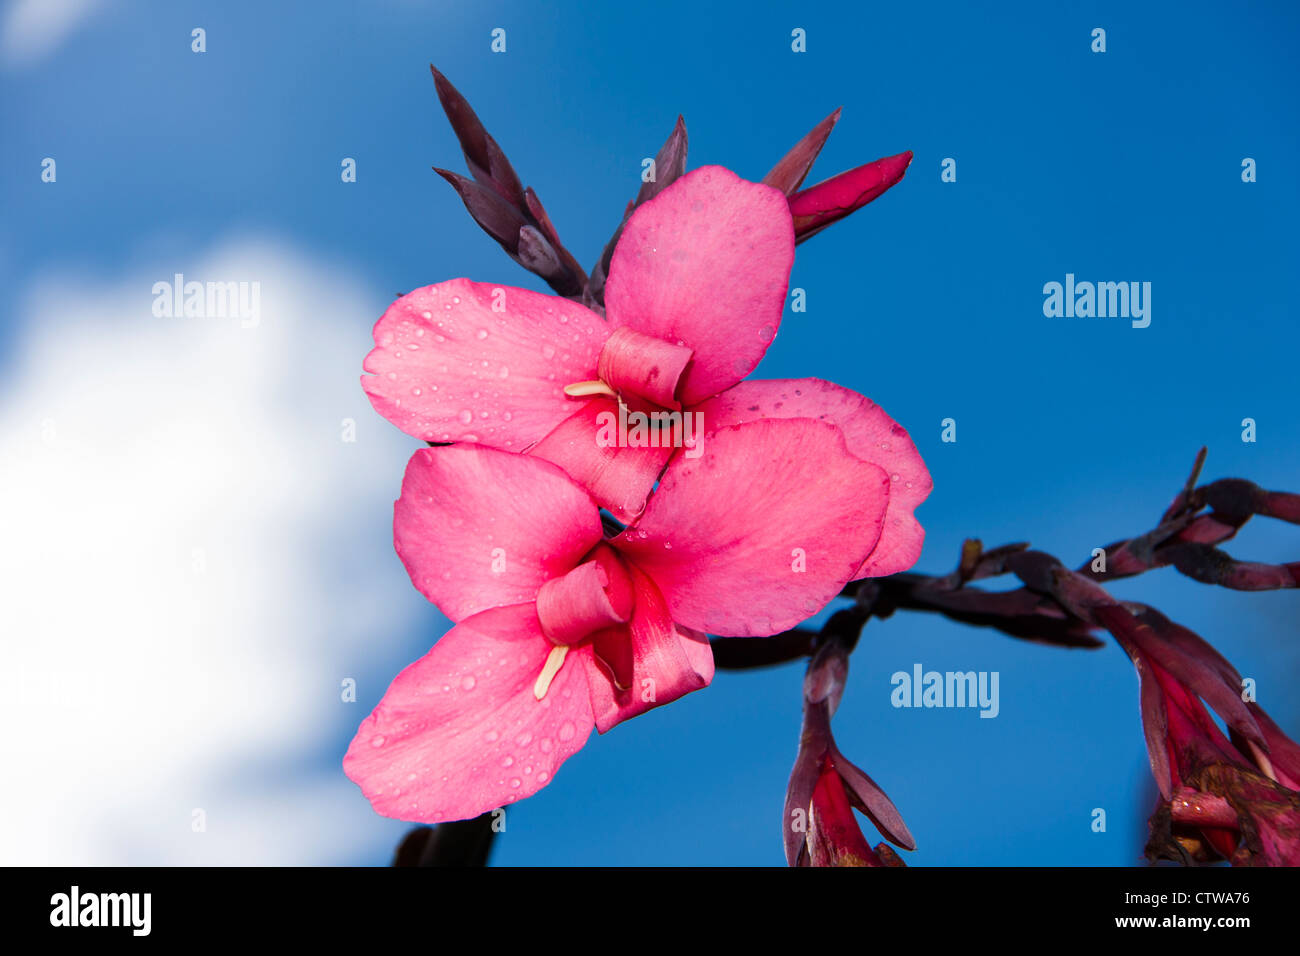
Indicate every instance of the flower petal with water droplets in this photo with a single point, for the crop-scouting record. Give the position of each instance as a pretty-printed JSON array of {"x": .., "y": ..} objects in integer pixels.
[{"x": 459, "y": 732}]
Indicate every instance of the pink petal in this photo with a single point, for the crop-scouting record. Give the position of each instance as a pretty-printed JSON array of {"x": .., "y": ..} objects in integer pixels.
[
  {"x": 618, "y": 477},
  {"x": 666, "y": 662},
  {"x": 760, "y": 531},
  {"x": 705, "y": 264},
  {"x": 449, "y": 367},
  {"x": 479, "y": 528},
  {"x": 572, "y": 607},
  {"x": 870, "y": 435},
  {"x": 459, "y": 732},
  {"x": 644, "y": 366}
]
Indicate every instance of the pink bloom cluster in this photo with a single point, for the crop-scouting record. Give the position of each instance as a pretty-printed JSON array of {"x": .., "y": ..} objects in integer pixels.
[{"x": 563, "y": 622}]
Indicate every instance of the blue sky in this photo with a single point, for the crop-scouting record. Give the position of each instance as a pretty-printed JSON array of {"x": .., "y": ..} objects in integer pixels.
[{"x": 1119, "y": 166}]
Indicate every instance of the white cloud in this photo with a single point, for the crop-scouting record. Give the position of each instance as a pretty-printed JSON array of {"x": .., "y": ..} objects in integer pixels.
[
  {"x": 31, "y": 29},
  {"x": 191, "y": 560}
]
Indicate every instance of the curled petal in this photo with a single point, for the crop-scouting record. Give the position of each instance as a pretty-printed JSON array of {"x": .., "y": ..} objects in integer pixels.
[
  {"x": 460, "y": 732},
  {"x": 647, "y": 662},
  {"x": 704, "y": 265},
  {"x": 479, "y": 528},
  {"x": 617, "y": 475},
  {"x": 762, "y": 529},
  {"x": 571, "y": 607},
  {"x": 869, "y": 433},
  {"x": 643, "y": 365},
  {"x": 468, "y": 361}
]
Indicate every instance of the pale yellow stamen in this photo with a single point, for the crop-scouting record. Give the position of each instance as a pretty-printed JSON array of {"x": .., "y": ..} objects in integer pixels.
[
  {"x": 554, "y": 661},
  {"x": 583, "y": 389},
  {"x": 1262, "y": 760}
]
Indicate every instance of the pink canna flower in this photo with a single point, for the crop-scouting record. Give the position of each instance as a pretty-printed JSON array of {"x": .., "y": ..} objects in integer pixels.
[
  {"x": 695, "y": 295},
  {"x": 559, "y": 629}
]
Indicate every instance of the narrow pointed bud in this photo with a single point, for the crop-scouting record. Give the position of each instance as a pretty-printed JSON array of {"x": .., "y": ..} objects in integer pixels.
[
  {"x": 788, "y": 174},
  {"x": 577, "y": 276},
  {"x": 537, "y": 255},
  {"x": 487, "y": 163},
  {"x": 670, "y": 164},
  {"x": 818, "y": 206},
  {"x": 494, "y": 215}
]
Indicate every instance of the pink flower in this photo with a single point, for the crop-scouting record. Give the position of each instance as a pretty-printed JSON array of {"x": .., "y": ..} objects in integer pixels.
[
  {"x": 695, "y": 295},
  {"x": 559, "y": 629}
]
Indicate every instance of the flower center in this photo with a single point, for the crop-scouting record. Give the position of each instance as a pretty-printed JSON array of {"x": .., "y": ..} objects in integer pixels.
[
  {"x": 595, "y": 595},
  {"x": 632, "y": 363}
]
